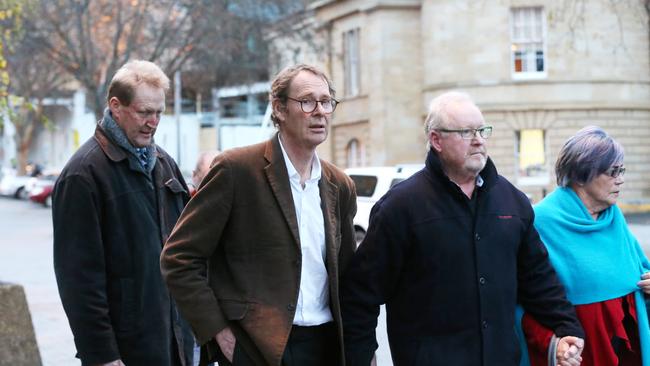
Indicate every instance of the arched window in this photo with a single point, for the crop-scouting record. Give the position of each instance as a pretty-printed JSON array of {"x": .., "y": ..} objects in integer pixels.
[{"x": 354, "y": 154}]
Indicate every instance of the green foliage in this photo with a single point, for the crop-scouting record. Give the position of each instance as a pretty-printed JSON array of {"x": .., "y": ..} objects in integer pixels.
[
  {"x": 10, "y": 25},
  {"x": 22, "y": 113}
]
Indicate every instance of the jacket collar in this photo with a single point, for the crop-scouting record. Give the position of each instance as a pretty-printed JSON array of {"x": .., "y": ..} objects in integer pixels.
[
  {"x": 113, "y": 151},
  {"x": 434, "y": 167},
  {"x": 278, "y": 177}
]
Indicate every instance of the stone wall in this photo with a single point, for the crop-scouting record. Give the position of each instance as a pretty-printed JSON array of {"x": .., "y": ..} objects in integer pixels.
[
  {"x": 597, "y": 72},
  {"x": 631, "y": 128}
]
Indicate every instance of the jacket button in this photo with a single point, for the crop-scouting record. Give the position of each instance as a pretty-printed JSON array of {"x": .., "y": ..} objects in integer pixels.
[
  {"x": 477, "y": 236},
  {"x": 482, "y": 280},
  {"x": 291, "y": 307},
  {"x": 485, "y": 324}
]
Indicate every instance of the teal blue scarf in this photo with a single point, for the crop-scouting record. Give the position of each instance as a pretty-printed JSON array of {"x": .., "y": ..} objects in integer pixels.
[{"x": 596, "y": 260}]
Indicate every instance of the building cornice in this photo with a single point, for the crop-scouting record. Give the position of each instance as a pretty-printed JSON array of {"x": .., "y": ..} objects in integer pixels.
[
  {"x": 332, "y": 10},
  {"x": 556, "y": 106},
  {"x": 483, "y": 95},
  {"x": 498, "y": 83}
]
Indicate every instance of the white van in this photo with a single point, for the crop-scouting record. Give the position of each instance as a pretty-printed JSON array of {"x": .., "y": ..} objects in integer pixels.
[{"x": 372, "y": 183}]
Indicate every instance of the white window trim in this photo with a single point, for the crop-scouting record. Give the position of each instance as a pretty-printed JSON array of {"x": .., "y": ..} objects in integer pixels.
[{"x": 534, "y": 75}]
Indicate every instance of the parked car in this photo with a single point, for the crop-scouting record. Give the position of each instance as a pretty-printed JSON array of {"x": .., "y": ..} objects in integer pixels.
[
  {"x": 372, "y": 183},
  {"x": 16, "y": 186},
  {"x": 42, "y": 190}
]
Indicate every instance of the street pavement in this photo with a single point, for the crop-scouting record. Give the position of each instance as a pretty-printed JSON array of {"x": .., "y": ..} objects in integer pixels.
[{"x": 26, "y": 259}]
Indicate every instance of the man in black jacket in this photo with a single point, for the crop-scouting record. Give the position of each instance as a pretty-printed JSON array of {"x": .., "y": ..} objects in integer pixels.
[
  {"x": 451, "y": 251},
  {"x": 114, "y": 206}
]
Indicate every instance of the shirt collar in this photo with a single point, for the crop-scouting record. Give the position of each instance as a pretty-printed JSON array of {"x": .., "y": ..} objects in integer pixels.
[
  {"x": 291, "y": 170},
  {"x": 479, "y": 181}
]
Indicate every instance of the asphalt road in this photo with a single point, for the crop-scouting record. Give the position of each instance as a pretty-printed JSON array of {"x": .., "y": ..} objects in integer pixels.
[{"x": 26, "y": 259}]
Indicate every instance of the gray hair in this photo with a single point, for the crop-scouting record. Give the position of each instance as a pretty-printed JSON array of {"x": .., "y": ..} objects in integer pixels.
[
  {"x": 132, "y": 74},
  {"x": 585, "y": 155},
  {"x": 438, "y": 116}
]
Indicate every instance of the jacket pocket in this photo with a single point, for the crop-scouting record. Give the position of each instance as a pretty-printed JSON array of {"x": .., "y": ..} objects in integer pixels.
[
  {"x": 233, "y": 309},
  {"x": 175, "y": 186},
  {"x": 177, "y": 197},
  {"x": 127, "y": 304}
]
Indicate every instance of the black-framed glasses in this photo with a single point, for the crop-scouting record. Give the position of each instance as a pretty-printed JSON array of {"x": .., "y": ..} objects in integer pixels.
[
  {"x": 309, "y": 105},
  {"x": 469, "y": 133},
  {"x": 615, "y": 171}
]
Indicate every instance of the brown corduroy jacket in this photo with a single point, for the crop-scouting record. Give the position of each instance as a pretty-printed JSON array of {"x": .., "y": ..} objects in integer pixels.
[{"x": 234, "y": 258}]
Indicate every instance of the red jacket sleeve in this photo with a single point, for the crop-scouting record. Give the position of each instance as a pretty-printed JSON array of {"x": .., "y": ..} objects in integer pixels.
[{"x": 538, "y": 338}]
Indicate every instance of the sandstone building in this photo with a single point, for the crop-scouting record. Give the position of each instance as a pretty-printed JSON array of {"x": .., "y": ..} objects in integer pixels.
[{"x": 540, "y": 70}]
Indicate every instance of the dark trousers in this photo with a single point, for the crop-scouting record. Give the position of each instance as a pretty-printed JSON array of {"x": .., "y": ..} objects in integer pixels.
[{"x": 307, "y": 346}]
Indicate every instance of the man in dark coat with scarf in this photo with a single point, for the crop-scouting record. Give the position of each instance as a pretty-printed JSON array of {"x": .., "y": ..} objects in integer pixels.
[
  {"x": 114, "y": 206},
  {"x": 450, "y": 252}
]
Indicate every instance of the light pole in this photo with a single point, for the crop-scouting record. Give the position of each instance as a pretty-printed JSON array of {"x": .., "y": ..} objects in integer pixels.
[{"x": 177, "y": 114}]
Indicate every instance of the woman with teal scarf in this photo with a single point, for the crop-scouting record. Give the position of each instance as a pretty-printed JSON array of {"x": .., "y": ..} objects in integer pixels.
[{"x": 595, "y": 255}]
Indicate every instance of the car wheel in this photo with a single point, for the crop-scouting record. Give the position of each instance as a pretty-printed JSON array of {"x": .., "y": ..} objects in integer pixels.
[
  {"x": 48, "y": 201},
  {"x": 21, "y": 194},
  {"x": 359, "y": 234}
]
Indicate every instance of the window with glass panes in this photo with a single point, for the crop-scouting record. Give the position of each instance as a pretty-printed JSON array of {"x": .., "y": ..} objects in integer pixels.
[
  {"x": 530, "y": 153},
  {"x": 351, "y": 62},
  {"x": 354, "y": 153},
  {"x": 527, "y": 35}
]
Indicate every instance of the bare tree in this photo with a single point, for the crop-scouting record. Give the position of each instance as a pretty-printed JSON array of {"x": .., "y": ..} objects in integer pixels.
[
  {"x": 237, "y": 49},
  {"x": 215, "y": 42},
  {"x": 91, "y": 39},
  {"x": 35, "y": 79}
]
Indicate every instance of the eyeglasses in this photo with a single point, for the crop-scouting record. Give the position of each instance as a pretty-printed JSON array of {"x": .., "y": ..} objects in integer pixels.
[
  {"x": 469, "y": 133},
  {"x": 615, "y": 171},
  {"x": 309, "y": 105}
]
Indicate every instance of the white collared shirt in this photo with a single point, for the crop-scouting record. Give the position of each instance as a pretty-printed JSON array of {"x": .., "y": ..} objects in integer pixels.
[{"x": 313, "y": 299}]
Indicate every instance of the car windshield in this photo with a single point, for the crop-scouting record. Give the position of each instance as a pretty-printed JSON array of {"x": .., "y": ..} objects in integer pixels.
[{"x": 365, "y": 184}]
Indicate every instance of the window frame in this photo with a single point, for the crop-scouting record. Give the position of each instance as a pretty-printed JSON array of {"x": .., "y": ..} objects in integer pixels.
[
  {"x": 541, "y": 180},
  {"x": 352, "y": 62},
  {"x": 532, "y": 41},
  {"x": 354, "y": 153}
]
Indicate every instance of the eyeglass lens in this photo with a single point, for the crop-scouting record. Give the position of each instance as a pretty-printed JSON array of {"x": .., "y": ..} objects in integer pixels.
[
  {"x": 308, "y": 106},
  {"x": 615, "y": 171},
  {"x": 469, "y": 133}
]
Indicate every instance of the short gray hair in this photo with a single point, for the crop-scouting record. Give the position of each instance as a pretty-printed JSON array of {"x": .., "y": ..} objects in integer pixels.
[
  {"x": 585, "y": 155},
  {"x": 438, "y": 116},
  {"x": 132, "y": 74}
]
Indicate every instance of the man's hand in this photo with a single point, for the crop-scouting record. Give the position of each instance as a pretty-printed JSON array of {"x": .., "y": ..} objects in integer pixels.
[
  {"x": 569, "y": 350},
  {"x": 226, "y": 341},
  {"x": 644, "y": 284},
  {"x": 112, "y": 363}
]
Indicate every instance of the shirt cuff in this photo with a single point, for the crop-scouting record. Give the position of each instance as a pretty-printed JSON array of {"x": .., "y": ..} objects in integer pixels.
[{"x": 552, "y": 350}]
